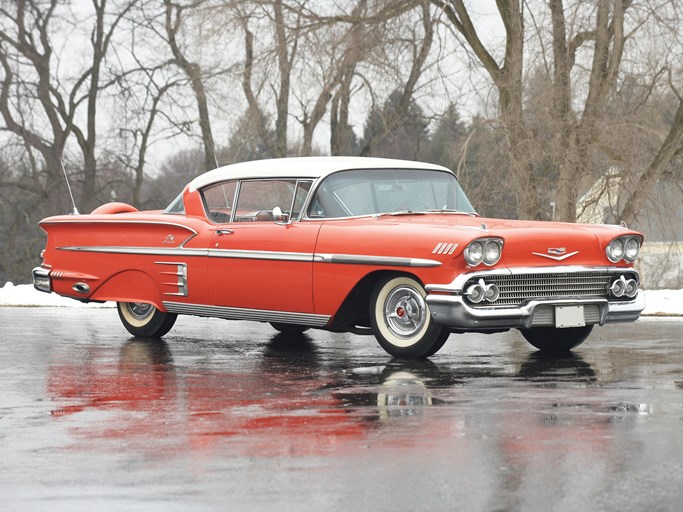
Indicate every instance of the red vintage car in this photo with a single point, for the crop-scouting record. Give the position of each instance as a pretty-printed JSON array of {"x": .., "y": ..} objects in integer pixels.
[{"x": 364, "y": 245}]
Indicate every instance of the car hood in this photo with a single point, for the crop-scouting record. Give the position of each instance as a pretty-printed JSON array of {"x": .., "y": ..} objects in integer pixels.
[{"x": 526, "y": 243}]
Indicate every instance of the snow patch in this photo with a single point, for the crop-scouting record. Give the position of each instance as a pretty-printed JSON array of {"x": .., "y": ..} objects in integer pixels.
[
  {"x": 26, "y": 295},
  {"x": 659, "y": 302}
]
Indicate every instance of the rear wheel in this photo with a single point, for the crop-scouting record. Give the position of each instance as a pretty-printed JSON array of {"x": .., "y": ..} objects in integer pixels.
[
  {"x": 289, "y": 328},
  {"x": 552, "y": 340},
  {"x": 401, "y": 319},
  {"x": 144, "y": 320}
]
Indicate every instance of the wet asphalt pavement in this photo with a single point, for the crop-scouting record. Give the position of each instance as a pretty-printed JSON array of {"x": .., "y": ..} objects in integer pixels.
[{"x": 231, "y": 416}]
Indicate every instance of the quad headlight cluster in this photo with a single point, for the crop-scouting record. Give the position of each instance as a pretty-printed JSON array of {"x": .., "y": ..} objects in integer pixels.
[
  {"x": 481, "y": 291},
  {"x": 624, "y": 248},
  {"x": 623, "y": 287},
  {"x": 483, "y": 250}
]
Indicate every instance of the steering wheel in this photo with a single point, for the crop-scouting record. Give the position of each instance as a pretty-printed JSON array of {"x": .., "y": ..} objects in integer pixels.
[{"x": 413, "y": 206}]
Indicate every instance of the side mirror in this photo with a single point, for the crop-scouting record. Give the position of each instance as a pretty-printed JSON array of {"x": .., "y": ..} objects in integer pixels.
[{"x": 279, "y": 216}]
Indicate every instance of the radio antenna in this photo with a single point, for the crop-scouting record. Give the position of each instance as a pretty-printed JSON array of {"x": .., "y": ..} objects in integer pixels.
[{"x": 75, "y": 212}]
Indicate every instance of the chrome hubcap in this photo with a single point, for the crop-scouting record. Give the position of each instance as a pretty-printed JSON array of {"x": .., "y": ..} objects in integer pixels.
[
  {"x": 140, "y": 310},
  {"x": 405, "y": 312}
]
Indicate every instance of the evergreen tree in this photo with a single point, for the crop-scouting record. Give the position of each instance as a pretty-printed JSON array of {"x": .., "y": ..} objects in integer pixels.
[
  {"x": 393, "y": 133},
  {"x": 445, "y": 147}
]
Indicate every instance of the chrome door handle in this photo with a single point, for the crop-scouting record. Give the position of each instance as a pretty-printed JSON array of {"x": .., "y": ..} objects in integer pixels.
[{"x": 221, "y": 232}]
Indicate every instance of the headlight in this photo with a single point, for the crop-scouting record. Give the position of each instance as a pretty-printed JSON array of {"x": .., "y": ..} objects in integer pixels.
[
  {"x": 474, "y": 253},
  {"x": 615, "y": 250},
  {"x": 492, "y": 252},
  {"x": 623, "y": 247},
  {"x": 631, "y": 249},
  {"x": 486, "y": 250}
]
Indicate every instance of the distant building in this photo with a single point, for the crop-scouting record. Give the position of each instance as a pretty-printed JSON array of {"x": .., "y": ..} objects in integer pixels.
[{"x": 661, "y": 221}]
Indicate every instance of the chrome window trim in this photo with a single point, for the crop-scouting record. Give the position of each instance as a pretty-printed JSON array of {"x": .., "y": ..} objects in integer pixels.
[
  {"x": 238, "y": 190},
  {"x": 308, "y": 193},
  {"x": 258, "y": 315},
  {"x": 321, "y": 179}
]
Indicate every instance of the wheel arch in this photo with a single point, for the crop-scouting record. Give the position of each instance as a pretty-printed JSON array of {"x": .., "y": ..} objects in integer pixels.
[
  {"x": 130, "y": 286},
  {"x": 355, "y": 307}
]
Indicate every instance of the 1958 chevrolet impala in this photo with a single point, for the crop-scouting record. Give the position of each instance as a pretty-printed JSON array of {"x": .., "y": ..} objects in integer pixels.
[{"x": 364, "y": 245}]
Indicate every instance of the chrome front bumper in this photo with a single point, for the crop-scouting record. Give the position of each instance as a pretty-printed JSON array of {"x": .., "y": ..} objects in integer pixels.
[
  {"x": 452, "y": 311},
  {"x": 41, "y": 280}
]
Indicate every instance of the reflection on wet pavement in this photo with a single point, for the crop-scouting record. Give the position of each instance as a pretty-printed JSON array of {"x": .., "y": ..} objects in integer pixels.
[{"x": 193, "y": 412}]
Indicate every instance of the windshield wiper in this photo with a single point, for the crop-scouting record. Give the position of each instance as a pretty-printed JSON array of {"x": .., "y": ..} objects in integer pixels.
[
  {"x": 400, "y": 212},
  {"x": 457, "y": 212}
]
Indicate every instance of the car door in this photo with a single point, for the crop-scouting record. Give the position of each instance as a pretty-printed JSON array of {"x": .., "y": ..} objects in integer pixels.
[{"x": 259, "y": 262}]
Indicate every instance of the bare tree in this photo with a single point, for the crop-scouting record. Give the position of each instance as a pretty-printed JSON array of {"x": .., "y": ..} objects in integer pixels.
[
  {"x": 286, "y": 34},
  {"x": 172, "y": 23},
  {"x": 601, "y": 35},
  {"x": 26, "y": 58},
  {"x": 419, "y": 47},
  {"x": 28, "y": 47}
]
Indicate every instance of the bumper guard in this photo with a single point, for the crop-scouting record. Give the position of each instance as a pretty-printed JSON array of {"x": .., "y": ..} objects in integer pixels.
[
  {"x": 452, "y": 311},
  {"x": 41, "y": 280}
]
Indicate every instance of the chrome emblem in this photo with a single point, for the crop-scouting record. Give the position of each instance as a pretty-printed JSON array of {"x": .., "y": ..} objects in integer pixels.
[
  {"x": 444, "y": 248},
  {"x": 169, "y": 239},
  {"x": 556, "y": 253}
]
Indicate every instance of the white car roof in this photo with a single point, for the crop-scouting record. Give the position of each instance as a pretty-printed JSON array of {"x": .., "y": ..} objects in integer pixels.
[{"x": 302, "y": 167}]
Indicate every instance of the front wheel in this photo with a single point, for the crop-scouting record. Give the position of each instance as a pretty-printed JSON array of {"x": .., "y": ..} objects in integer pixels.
[
  {"x": 401, "y": 320},
  {"x": 552, "y": 340},
  {"x": 144, "y": 320}
]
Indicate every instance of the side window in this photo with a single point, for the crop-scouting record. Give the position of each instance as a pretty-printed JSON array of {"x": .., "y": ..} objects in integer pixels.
[
  {"x": 219, "y": 201},
  {"x": 177, "y": 206},
  {"x": 302, "y": 189},
  {"x": 257, "y": 198}
]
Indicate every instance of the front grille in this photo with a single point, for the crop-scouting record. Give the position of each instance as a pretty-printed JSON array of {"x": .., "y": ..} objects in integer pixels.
[{"x": 515, "y": 290}]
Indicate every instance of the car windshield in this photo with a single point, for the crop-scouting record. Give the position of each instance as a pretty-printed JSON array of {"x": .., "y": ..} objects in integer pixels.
[{"x": 379, "y": 191}]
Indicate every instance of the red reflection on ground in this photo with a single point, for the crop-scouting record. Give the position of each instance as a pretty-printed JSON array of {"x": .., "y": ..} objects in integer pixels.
[{"x": 263, "y": 411}]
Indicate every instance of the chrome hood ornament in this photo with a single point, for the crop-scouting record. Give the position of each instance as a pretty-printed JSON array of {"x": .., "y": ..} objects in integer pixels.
[{"x": 556, "y": 253}]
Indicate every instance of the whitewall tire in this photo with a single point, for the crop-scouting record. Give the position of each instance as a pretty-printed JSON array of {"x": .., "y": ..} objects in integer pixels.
[
  {"x": 144, "y": 320},
  {"x": 401, "y": 319}
]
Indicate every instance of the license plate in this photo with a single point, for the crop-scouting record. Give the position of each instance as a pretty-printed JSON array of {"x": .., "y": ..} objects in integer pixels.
[{"x": 569, "y": 316}]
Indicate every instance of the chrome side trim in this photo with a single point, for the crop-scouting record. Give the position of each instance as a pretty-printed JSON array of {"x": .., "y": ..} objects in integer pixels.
[
  {"x": 456, "y": 286},
  {"x": 152, "y": 251},
  {"x": 260, "y": 255},
  {"x": 349, "y": 259},
  {"x": 258, "y": 315},
  {"x": 359, "y": 259},
  {"x": 77, "y": 220},
  {"x": 180, "y": 283},
  {"x": 181, "y": 251}
]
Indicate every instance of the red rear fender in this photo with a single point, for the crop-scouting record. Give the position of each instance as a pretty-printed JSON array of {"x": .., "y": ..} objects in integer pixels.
[{"x": 130, "y": 286}]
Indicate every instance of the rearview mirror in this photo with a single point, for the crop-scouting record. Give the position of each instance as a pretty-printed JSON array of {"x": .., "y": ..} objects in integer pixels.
[{"x": 278, "y": 215}]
